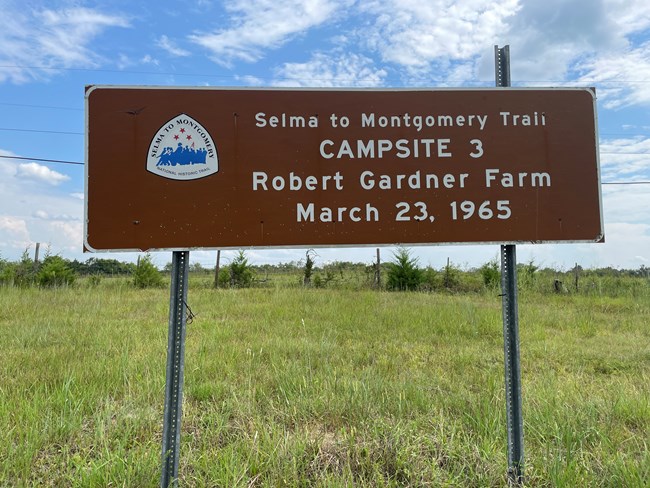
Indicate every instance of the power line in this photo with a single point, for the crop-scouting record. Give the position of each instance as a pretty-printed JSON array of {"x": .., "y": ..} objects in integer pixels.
[
  {"x": 43, "y": 160},
  {"x": 42, "y": 131},
  {"x": 121, "y": 71},
  {"x": 79, "y": 163},
  {"x": 625, "y": 183},
  {"x": 27, "y": 105},
  {"x": 239, "y": 77},
  {"x": 40, "y": 106},
  {"x": 622, "y": 134},
  {"x": 636, "y": 134}
]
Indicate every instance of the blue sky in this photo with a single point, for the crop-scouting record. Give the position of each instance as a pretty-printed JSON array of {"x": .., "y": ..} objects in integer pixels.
[{"x": 51, "y": 50}]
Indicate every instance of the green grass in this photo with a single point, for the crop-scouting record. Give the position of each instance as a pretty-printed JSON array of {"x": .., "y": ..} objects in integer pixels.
[{"x": 295, "y": 387}]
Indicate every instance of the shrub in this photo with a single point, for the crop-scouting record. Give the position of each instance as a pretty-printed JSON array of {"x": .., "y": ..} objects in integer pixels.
[
  {"x": 24, "y": 272},
  {"x": 430, "y": 279},
  {"x": 6, "y": 272},
  {"x": 321, "y": 281},
  {"x": 54, "y": 272},
  {"x": 490, "y": 274},
  {"x": 404, "y": 273},
  {"x": 146, "y": 275},
  {"x": 224, "y": 277},
  {"x": 526, "y": 274}
]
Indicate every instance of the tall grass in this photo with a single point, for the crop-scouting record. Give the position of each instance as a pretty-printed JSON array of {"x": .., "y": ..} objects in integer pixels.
[{"x": 305, "y": 387}]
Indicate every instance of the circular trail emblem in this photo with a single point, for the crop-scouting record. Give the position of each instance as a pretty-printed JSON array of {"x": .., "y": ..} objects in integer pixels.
[{"x": 182, "y": 149}]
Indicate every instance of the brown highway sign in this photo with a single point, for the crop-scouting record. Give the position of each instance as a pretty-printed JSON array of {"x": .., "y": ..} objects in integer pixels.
[{"x": 185, "y": 168}]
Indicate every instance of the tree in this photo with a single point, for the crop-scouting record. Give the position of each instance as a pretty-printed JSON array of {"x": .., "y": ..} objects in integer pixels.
[
  {"x": 55, "y": 271},
  {"x": 309, "y": 267},
  {"x": 403, "y": 272},
  {"x": 451, "y": 276},
  {"x": 241, "y": 272},
  {"x": 146, "y": 275}
]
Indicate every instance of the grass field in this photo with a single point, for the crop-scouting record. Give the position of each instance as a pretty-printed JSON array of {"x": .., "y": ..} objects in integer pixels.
[{"x": 306, "y": 387}]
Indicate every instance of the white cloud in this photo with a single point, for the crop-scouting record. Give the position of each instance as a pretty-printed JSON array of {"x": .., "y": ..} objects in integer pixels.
[
  {"x": 331, "y": 71},
  {"x": 251, "y": 80},
  {"x": 35, "y": 40},
  {"x": 165, "y": 43},
  {"x": 7, "y": 167},
  {"x": 72, "y": 232},
  {"x": 626, "y": 203},
  {"x": 585, "y": 41},
  {"x": 629, "y": 16},
  {"x": 449, "y": 42},
  {"x": 124, "y": 62},
  {"x": 65, "y": 33},
  {"x": 148, "y": 59},
  {"x": 634, "y": 238},
  {"x": 259, "y": 25},
  {"x": 41, "y": 173},
  {"x": 28, "y": 209},
  {"x": 621, "y": 75},
  {"x": 13, "y": 233},
  {"x": 414, "y": 34},
  {"x": 625, "y": 159},
  {"x": 43, "y": 215},
  {"x": 14, "y": 226}
]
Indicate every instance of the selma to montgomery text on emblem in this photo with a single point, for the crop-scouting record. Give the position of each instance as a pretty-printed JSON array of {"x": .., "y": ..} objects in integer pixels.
[{"x": 182, "y": 149}]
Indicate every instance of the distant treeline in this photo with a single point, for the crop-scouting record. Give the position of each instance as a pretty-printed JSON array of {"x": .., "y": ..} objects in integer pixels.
[
  {"x": 401, "y": 272},
  {"x": 102, "y": 266}
]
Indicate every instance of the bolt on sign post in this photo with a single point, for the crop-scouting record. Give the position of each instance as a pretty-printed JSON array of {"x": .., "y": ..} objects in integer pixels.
[{"x": 175, "y": 169}]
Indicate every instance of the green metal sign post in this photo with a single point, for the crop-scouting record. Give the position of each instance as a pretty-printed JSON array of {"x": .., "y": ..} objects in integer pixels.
[
  {"x": 514, "y": 418},
  {"x": 175, "y": 370}
]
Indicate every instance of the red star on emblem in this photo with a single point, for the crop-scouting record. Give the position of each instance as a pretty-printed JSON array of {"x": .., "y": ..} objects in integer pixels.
[
  {"x": 182, "y": 130},
  {"x": 189, "y": 138}
]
